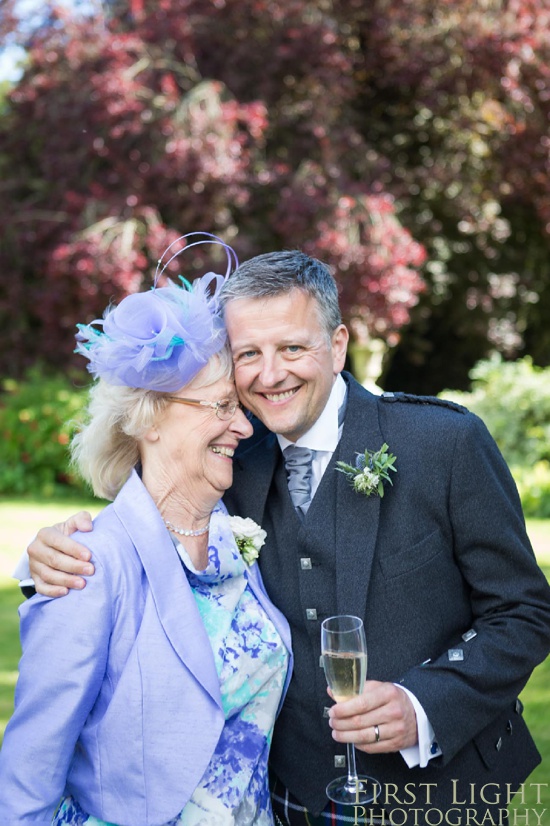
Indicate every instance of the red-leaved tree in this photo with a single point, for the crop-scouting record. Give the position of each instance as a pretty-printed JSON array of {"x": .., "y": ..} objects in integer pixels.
[
  {"x": 405, "y": 143},
  {"x": 171, "y": 117}
]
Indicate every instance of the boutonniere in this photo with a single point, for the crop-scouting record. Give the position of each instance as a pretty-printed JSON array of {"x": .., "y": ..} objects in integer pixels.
[
  {"x": 248, "y": 536},
  {"x": 371, "y": 471}
]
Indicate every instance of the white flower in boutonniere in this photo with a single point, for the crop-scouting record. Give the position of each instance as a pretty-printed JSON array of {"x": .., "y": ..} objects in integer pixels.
[
  {"x": 371, "y": 471},
  {"x": 248, "y": 536}
]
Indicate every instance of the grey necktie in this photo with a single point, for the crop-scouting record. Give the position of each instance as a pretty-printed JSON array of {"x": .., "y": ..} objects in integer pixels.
[{"x": 298, "y": 467}]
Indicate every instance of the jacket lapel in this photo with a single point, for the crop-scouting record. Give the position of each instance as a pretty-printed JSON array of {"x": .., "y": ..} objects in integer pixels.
[
  {"x": 172, "y": 595},
  {"x": 357, "y": 516},
  {"x": 253, "y": 471}
]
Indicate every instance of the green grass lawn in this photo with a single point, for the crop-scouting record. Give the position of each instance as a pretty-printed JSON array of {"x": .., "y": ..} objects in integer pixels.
[
  {"x": 536, "y": 698},
  {"x": 9, "y": 648},
  {"x": 20, "y": 520}
]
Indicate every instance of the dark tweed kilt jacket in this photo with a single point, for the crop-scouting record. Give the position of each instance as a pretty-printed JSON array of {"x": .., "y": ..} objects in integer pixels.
[{"x": 443, "y": 574}]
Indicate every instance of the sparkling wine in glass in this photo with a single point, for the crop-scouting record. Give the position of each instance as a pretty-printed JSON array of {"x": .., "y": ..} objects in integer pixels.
[{"x": 344, "y": 650}]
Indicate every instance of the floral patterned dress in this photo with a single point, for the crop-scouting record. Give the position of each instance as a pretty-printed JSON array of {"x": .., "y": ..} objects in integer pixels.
[{"x": 251, "y": 662}]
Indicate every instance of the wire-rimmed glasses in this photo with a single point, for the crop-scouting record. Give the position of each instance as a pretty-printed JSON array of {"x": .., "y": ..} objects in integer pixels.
[{"x": 225, "y": 409}]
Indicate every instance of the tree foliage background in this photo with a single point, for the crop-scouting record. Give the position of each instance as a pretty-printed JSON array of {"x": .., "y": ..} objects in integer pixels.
[{"x": 405, "y": 142}]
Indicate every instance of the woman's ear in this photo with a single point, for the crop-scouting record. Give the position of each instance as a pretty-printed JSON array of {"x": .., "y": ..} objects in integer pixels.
[{"x": 152, "y": 435}]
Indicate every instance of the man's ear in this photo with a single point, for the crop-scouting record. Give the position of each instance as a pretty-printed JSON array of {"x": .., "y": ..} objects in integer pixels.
[{"x": 339, "y": 345}]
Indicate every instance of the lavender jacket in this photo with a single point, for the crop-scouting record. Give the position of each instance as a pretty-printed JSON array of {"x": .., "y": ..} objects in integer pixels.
[{"x": 118, "y": 700}]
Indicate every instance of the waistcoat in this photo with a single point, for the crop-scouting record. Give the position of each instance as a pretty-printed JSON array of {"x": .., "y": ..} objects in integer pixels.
[{"x": 298, "y": 567}]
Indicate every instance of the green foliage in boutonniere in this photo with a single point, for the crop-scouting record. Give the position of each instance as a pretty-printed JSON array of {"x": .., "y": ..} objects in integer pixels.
[
  {"x": 372, "y": 469},
  {"x": 248, "y": 536}
]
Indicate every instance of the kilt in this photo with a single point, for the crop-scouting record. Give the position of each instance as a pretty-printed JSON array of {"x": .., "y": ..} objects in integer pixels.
[{"x": 287, "y": 811}]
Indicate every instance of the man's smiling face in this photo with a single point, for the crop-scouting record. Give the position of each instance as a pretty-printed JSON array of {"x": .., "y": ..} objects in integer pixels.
[{"x": 285, "y": 361}]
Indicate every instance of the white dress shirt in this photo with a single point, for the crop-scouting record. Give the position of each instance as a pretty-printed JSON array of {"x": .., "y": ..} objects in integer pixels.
[{"x": 323, "y": 438}]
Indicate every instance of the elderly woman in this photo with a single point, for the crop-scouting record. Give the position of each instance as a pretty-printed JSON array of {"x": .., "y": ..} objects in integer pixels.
[{"x": 150, "y": 697}]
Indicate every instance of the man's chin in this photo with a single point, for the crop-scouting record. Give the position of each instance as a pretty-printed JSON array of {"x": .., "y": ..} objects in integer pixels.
[
  {"x": 271, "y": 422},
  {"x": 281, "y": 426},
  {"x": 269, "y": 417},
  {"x": 279, "y": 418}
]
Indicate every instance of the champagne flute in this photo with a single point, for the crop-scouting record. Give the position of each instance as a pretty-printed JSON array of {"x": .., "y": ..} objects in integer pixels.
[{"x": 344, "y": 651}]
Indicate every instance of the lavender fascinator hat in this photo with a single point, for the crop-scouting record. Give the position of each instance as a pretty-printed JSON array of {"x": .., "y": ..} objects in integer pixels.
[{"x": 160, "y": 339}]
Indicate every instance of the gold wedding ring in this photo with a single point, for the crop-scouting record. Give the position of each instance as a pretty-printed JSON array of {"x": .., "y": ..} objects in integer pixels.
[{"x": 376, "y": 734}]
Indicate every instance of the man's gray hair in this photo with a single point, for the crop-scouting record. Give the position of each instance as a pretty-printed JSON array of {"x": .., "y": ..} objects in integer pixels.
[{"x": 274, "y": 273}]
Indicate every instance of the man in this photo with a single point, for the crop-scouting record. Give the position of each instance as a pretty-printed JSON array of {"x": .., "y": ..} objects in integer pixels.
[{"x": 456, "y": 610}]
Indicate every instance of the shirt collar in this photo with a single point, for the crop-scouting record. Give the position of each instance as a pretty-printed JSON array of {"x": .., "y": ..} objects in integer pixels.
[{"x": 324, "y": 434}]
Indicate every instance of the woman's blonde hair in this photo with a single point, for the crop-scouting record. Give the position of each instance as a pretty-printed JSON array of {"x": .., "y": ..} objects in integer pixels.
[{"x": 105, "y": 450}]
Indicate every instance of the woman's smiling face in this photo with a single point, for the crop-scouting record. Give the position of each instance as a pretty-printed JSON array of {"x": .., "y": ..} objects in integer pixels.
[{"x": 193, "y": 445}]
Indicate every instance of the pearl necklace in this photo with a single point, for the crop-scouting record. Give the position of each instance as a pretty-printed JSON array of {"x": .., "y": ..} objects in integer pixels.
[{"x": 182, "y": 531}]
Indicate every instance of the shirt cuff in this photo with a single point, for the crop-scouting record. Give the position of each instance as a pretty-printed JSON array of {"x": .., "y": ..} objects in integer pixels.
[
  {"x": 427, "y": 747},
  {"x": 22, "y": 570},
  {"x": 27, "y": 588},
  {"x": 23, "y": 574}
]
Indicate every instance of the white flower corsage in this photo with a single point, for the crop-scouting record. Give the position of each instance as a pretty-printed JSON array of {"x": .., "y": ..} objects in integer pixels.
[
  {"x": 248, "y": 536},
  {"x": 371, "y": 471}
]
